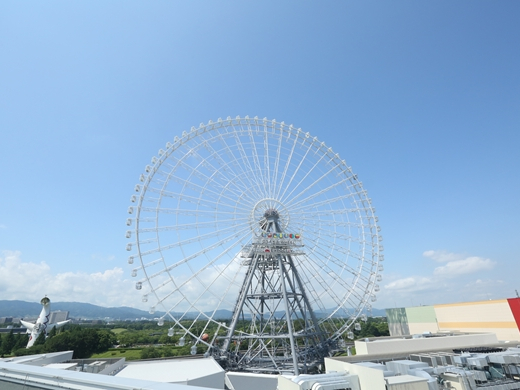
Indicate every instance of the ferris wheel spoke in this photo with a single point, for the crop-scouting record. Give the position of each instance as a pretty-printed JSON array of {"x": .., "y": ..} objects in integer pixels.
[
  {"x": 195, "y": 171},
  {"x": 302, "y": 202},
  {"x": 199, "y": 189},
  {"x": 318, "y": 182},
  {"x": 200, "y": 224},
  {"x": 152, "y": 263},
  {"x": 277, "y": 161},
  {"x": 256, "y": 158},
  {"x": 310, "y": 271},
  {"x": 207, "y": 288},
  {"x": 267, "y": 162},
  {"x": 332, "y": 233},
  {"x": 295, "y": 172},
  {"x": 231, "y": 229},
  {"x": 180, "y": 211},
  {"x": 306, "y": 176},
  {"x": 245, "y": 174},
  {"x": 222, "y": 165},
  {"x": 187, "y": 184},
  {"x": 245, "y": 159},
  {"x": 341, "y": 264},
  {"x": 320, "y": 265},
  {"x": 317, "y": 299},
  {"x": 328, "y": 202},
  {"x": 287, "y": 164},
  {"x": 332, "y": 223},
  {"x": 210, "y": 204}
]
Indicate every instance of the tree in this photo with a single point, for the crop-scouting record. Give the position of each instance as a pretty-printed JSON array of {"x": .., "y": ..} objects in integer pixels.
[
  {"x": 53, "y": 332},
  {"x": 83, "y": 341},
  {"x": 8, "y": 343},
  {"x": 40, "y": 340},
  {"x": 61, "y": 342},
  {"x": 21, "y": 341},
  {"x": 106, "y": 339},
  {"x": 150, "y": 353}
]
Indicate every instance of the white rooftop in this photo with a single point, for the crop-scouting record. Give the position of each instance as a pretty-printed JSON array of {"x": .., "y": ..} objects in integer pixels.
[
  {"x": 61, "y": 366},
  {"x": 174, "y": 370}
]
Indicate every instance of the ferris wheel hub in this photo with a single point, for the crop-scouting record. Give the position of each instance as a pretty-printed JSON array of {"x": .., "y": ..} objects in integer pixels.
[
  {"x": 269, "y": 209},
  {"x": 271, "y": 213}
]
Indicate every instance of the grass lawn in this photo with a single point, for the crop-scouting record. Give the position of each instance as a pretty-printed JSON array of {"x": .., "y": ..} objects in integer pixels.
[
  {"x": 129, "y": 354},
  {"x": 118, "y": 330}
]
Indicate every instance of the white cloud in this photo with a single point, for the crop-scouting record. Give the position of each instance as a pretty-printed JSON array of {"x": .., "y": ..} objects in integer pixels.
[
  {"x": 101, "y": 258},
  {"x": 410, "y": 284},
  {"x": 30, "y": 281},
  {"x": 443, "y": 256},
  {"x": 467, "y": 266},
  {"x": 435, "y": 284}
]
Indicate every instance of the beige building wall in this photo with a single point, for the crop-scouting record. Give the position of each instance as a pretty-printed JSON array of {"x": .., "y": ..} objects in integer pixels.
[
  {"x": 421, "y": 327},
  {"x": 482, "y": 316}
]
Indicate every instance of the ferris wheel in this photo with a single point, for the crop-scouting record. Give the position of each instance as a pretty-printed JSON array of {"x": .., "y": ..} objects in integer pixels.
[{"x": 256, "y": 243}]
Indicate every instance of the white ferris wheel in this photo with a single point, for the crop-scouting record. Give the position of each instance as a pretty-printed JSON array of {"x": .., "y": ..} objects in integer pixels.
[{"x": 257, "y": 244}]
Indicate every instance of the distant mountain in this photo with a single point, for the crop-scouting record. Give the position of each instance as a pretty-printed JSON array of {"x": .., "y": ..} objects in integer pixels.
[{"x": 22, "y": 309}]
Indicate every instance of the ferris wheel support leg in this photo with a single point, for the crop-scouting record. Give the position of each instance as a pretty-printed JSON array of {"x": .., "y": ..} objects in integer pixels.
[
  {"x": 306, "y": 300},
  {"x": 240, "y": 303},
  {"x": 288, "y": 315}
]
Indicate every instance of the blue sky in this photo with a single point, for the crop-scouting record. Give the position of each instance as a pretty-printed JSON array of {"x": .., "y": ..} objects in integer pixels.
[{"x": 422, "y": 99}]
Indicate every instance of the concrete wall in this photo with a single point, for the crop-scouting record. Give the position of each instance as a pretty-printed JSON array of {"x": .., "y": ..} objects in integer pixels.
[
  {"x": 250, "y": 381},
  {"x": 284, "y": 384},
  {"x": 213, "y": 381},
  {"x": 406, "y": 382},
  {"x": 424, "y": 344},
  {"x": 369, "y": 378}
]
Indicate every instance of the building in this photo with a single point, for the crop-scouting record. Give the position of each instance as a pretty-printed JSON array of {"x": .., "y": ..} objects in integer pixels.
[
  {"x": 501, "y": 317},
  {"x": 58, "y": 316},
  {"x": 6, "y": 320}
]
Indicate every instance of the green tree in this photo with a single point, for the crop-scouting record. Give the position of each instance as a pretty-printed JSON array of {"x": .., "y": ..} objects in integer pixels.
[
  {"x": 106, "y": 340},
  {"x": 21, "y": 341},
  {"x": 53, "y": 332},
  {"x": 150, "y": 353},
  {"x": 8, "y": 343},
  {"x": 40, "y": 340},
  {"x": 61, "y": 342},
  {"x": 83, "y": 341},
  {"x": 23, "y": 351}
]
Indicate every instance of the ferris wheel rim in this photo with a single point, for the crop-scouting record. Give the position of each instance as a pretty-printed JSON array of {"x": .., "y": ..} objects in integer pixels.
[{"x": 205, "y": 130}]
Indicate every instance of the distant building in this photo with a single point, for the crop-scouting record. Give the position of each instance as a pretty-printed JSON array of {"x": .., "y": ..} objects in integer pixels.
[
  {"x": 58, "y": 316},
  {"x": 501, "y": 316},
  {"x": 6, "y": 320}
]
